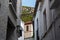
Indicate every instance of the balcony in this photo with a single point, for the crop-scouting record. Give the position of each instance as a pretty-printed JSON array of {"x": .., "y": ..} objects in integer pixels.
[{"x": 55, "y": 4}]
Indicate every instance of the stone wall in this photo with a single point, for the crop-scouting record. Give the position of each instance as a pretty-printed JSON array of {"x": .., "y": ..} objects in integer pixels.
[{"x": 4, "y": 14}]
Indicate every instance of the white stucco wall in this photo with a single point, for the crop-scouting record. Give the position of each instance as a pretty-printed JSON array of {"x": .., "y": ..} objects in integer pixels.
[
  {"x": 28, "y": 33},
  {"x": 35, "y": 22},
  {"x": 40, "y": 17},
  {"x": 22, "y": 37}
]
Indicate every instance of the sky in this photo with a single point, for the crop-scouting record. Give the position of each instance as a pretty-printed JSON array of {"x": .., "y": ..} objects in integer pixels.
[{"x": 30, "y": 3}]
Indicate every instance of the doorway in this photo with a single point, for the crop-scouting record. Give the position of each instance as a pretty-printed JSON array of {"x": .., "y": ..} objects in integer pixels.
[{"x": 10, "y": 30}]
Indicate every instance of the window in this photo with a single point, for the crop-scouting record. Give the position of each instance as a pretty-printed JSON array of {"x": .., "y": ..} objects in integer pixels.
[
  {"x": 27, "y": 28},
  {"x": 37, "y": 22},
  {"x": 37, "y": 35},
  {"x": 45, "y": 21}
]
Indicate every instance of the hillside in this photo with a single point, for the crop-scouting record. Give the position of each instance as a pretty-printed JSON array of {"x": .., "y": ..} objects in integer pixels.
[{"x": 27, "y": 13}]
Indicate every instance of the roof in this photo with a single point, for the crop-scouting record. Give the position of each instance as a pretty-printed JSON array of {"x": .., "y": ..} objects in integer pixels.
[{"x": 29, "y": 22}]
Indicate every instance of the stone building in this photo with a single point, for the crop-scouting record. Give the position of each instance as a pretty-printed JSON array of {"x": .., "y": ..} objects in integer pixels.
[
  {"x": 28, "y": 30},
  {"x": 8, "y": 19},
  {"x": 47, "y": 20}
]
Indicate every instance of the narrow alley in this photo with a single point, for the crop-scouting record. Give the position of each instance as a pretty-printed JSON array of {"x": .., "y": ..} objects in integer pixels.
[{"x": 29, "y": 19}]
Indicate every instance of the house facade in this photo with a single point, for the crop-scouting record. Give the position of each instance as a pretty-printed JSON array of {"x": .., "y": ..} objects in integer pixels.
[
  {"x": 28, "y": 30},
  {"x": 8, "y": 19},
  {"x": 46, "y": 20}
]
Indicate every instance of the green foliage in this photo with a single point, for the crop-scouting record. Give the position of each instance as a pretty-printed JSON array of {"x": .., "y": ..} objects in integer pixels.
[
  {"x": 26, "y": 16},
  {"x": 24, "y": 12}
]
